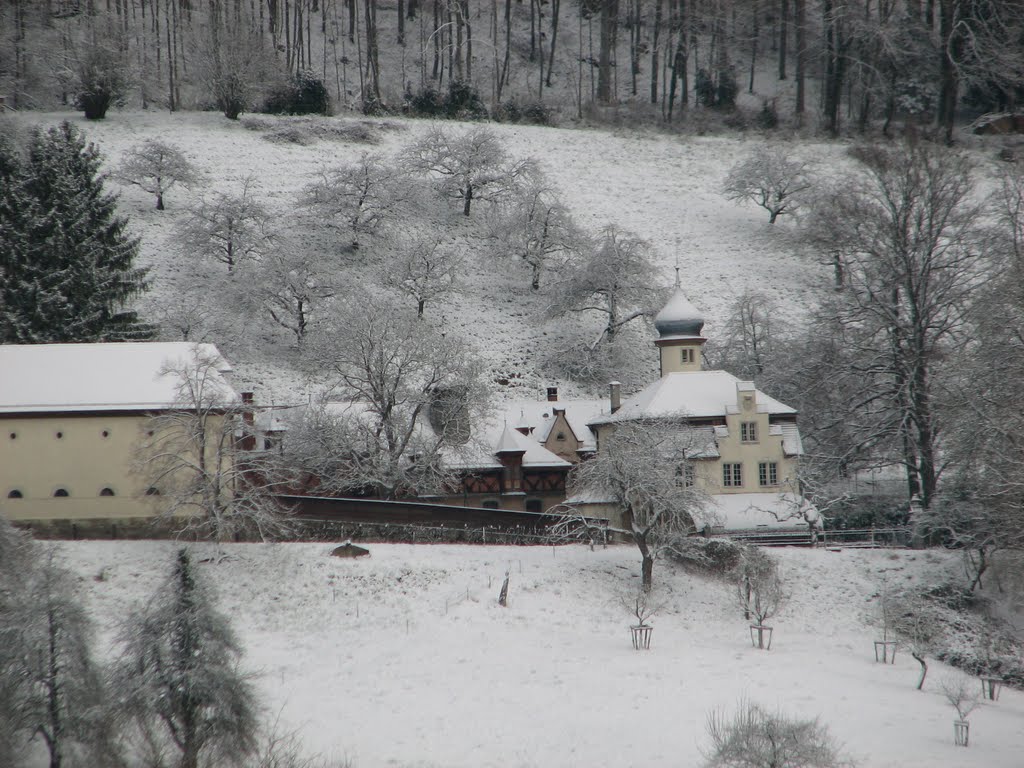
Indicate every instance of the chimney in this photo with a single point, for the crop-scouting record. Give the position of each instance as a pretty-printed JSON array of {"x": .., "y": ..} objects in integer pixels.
[
  {"x": 615, "y": 394},
  {"x": 552, "y": 394},
  {"x": 248, "y": 441}
]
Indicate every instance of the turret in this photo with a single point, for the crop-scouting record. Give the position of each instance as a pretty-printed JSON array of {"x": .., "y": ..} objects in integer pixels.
[{"x": 679, "y": 325}]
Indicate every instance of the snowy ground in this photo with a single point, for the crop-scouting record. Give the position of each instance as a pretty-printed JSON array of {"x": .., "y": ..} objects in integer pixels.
[{"x": 405, "y": 658}]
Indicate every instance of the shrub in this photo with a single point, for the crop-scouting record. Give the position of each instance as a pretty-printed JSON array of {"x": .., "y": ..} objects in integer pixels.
[
  {"x": 713, "y": 557},
  {"x": 427, "y": 103},
  {"x": 530, "y": 112},
  {"x": 704, "y": 88},
  {"x": 768, "y": 118},
  {"x": 757, "y": 738},
  {"x": 302, "y": 94},
  {"x": 464, "y": 102},
  {"x": 102, "y": 82}
]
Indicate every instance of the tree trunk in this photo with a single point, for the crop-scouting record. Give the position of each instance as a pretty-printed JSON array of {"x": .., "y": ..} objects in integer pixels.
[
  {"x": 948, "y": 81},
  {"x": 609, "y": 33},
  {"x": 800, "y": 7},
  {"x": 920, "y": 659},
  {"x": 555, "y": 8},
  {"x": 783, "y": 37},
  {"x": 655, "y": 42}
]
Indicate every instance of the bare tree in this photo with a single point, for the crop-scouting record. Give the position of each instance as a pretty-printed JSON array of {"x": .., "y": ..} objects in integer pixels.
[
  {"x": 200, "y": 479},
  {"x": 232, "y": 63},
  {"x": 961, "y": 693},
  {"x": 906, "y": 235},
  {"x": 157, "y": 167},
  {"x": 916, "y": 623},
  {"x": 755, "y": 738},
  {"x": 537, "y": 228},
  {"x": 360, "y": 195},
  {"x": 294, "y": 284},
  {"x": 423, "y": 269},
  {"x": 468, "y": 166},
  {"x": 769, "y": 178},
  {"x": 759, "y": 585},
  {"x": 182, "y": 688},
  {"x": 229, "y": 228},
  {"x": 406, "y": 390},
  {"x": 613, "y": 279},
  {"x": 749, "y": 338},
  {"x": 641, "y": 472}
]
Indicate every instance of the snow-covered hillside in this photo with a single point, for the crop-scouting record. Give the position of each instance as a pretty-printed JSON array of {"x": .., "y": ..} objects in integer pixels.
[
  {"x": 406, "y": 659},
  {"x": 664, "y": 187}
]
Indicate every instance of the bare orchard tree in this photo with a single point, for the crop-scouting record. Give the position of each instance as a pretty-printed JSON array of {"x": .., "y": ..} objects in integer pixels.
[
  {"x": 612, "y": 279},
  {"x": 424, "y": 269},
  {"x": 200, "y": 479},
  {"x": 406, "y": 390},
  {"x": 56, "y": 688},
  {"x": 759, "y": 587},
  {"x": 769, "y": 178},
  {"x": 357, "y": 197},
  {"x": 186, "y": 700},
  {"x": 916, "y": 624},
  {"x": 536, "y": 228},
  {"x": 753, "y": 737},
  {"x": 961, "y": 692},
  {"x": 467, "y": 166},
  {"x": 157, "y": 167},
  {"x": 294, "y": 284},
  {"x": 642, "y": 472},
  {"x": 230, "y": 228}
]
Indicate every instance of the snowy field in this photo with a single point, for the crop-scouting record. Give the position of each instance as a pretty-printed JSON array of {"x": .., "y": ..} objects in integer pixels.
[{"x": 405, "y": 658}]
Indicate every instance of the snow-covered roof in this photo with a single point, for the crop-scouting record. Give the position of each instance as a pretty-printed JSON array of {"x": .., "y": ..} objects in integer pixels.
[
  {"x": 740, "y": 511},
  {"x": 127, "y": 376},
  {"x": 540, "y": 416},
  {"x": 679, "y": 318},
  {"x": 690, "y": 394}
]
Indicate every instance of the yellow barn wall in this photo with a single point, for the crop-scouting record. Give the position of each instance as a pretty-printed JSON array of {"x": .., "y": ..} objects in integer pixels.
[{"x": 83, "y": 461}]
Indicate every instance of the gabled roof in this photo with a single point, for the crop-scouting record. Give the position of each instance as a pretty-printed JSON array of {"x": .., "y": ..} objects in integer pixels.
[
  {"x": 540, "y": 415},
  {"x": 690, "y": 394},
  {"x": 127, "y": 376}
]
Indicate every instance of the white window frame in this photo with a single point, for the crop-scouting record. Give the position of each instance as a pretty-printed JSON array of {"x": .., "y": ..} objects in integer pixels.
[
  {"x": 767, "y": 473},
  {"x": 732, "y": 475},
  {"x": 748, "y": 431}
]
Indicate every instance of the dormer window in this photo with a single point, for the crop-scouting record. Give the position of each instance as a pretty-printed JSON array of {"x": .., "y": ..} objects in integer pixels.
[
  {"x": 686, "y": 355},
  {"x": 560, "y": 436}
]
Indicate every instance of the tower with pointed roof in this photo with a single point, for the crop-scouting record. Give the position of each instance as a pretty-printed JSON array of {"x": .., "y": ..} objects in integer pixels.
[{"x": 679, "y": 325}]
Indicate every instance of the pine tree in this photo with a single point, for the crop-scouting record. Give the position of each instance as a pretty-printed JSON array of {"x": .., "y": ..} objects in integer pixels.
[
  {"x": 66, "y": 259},
  {"x": 183, "y": 686}
]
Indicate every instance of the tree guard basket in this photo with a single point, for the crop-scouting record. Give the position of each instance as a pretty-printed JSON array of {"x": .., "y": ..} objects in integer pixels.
[
  {"x": 641, "y": 637},
  {"x": 990, "y": 687},
  {"x": 885, "y": 651},
  {"x": 961, "y": 732},
  {"x": 757, "y": 636}
]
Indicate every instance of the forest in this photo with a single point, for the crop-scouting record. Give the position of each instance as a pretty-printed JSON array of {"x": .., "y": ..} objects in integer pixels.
[{"x": 837, "y": 67}]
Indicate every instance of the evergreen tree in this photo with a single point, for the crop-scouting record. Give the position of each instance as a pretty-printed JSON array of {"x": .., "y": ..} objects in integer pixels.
[
  {"x": 184, "y": 690},
  {"x": 50, "y": 686},
  {"x": 66, "y": 259}
]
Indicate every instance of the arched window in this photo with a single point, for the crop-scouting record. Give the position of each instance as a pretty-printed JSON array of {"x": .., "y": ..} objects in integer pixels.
[
  {"x": 61, "y": 493},
  {"x": 152, "y": 491},
  {"x": 15, "y": 494},
  {"x": 14, "y": 435},
  {"x": 60, "y": 435},
  {"x": 107, "y": 492},
  {"x": 534, "y": 505},
  {"x": 105, "y": 433}
]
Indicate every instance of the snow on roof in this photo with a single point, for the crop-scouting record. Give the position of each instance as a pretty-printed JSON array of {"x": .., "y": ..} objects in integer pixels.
[
  {"x": 693, "y": 394},
  {"x": 540, "y": 415},
  {"x": 125, "y": 376},
  {"x": 792, "y": 444},
  {"x": 741, "y": 511}
]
